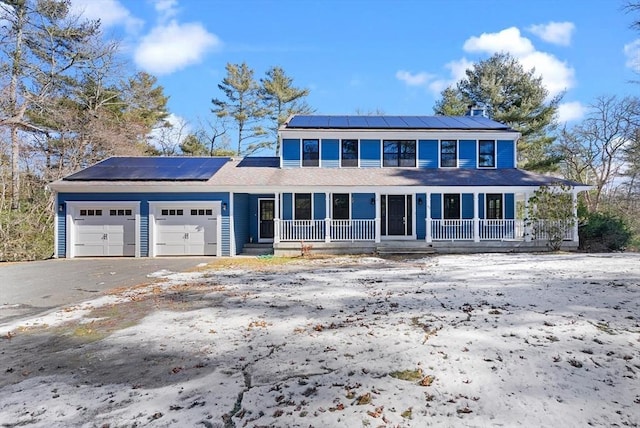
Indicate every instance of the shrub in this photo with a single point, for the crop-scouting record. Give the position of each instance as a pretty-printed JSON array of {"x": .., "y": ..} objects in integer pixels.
[{"x": 604, "y": 232}]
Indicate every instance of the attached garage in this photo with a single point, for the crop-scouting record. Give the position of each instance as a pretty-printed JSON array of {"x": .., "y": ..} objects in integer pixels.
[
  {"x": 184, "y": 228},
  {"x": 102, "y": 229}
]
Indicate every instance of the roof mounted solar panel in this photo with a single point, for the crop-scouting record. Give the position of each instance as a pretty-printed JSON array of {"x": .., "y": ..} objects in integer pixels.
[{"x": 151, "y": 169}]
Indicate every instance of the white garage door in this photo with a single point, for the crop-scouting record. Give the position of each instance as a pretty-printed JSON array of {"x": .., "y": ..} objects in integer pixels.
[
  {"x": 186, "y": 231},
  {"x": 104, "y": 232}
]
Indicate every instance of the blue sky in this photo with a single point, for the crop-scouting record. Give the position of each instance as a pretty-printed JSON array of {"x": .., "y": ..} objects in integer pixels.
[{"x": 375, "y": 55}]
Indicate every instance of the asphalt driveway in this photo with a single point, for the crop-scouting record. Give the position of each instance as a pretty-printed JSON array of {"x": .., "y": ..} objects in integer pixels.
[{"x": 30, "y": 288}]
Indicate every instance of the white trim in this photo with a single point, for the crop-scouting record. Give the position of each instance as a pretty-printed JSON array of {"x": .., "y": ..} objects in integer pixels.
[
  {"x": 495, "y": 154},
  {"x": 440, "y": 154},
  {"x": 293, "y": 204},
  {"x": 56, "y": 219},
  {"x": 74, "y": 206},
  {"x": 357, "y": 140},
  {"x": 232, "y": 231},
  {"x": 259, "y": 238}
]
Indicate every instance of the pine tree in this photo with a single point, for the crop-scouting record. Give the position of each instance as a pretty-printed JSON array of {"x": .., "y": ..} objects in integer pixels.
[
  {"x": 282, "y": 99},
  {"x": 512, "y": 96},
  {"x": 244, "y": 105}
]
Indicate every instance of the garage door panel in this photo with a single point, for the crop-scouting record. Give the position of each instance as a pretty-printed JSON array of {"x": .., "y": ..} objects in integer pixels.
[
  {"x": 186, "y": 231},
  {"x": 104, "y": 232}
]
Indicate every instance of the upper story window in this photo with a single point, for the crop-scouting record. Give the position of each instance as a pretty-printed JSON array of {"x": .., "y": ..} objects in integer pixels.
[
  {"x": 303, "y": 206},
  {"x": 340, "y": 205},
  {"x": 399, "y": 153},
  {"x": 486, "y": 154},
  {"x": 448, "y": 153},
  {"x": 349, "y": 153},
  {"x": 310, "y": 152}
]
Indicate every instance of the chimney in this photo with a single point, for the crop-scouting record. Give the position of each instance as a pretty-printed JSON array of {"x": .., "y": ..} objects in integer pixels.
[{"x": 476, "y": 110}]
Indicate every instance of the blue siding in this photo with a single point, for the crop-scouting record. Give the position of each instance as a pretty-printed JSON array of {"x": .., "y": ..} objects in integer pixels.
[
  {"x": 287, "y": 206},
  {"x": 509, "y": 206},
  {"x": 427, "y": 153},
  {"x": 361, "y": 207},
  {"x": 226, "y": 237},
  {"x": 466, "y": 200},
  {"x": 481, "y": 204},
  {"x": 370, "y": 154},
  {"x": 62, "y": 229},
  {"x": 319, "y": 207},
  {"x": 505, "y": 152},
  {"x": 467, "y": 154},
  {"x": 144, "y": 229},
  {"x": 436, "y": 205},
  {"x": 330, "y": 153},
  {"x": 421, "y": 215},
  {"x": 290, "y": 153},
  {"x": 241, "y": 223}
]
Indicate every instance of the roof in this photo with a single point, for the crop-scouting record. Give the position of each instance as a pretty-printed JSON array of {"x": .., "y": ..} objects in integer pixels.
[
  {"x": 151, "y": 169},
  {"x": 239, "y": 174},
  {"x": 255, "y": 173},
  {"x": 395, "y": 122}
]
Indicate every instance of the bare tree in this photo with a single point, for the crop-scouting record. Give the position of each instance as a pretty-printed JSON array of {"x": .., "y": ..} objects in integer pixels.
[{"x": 593, "y": 151}]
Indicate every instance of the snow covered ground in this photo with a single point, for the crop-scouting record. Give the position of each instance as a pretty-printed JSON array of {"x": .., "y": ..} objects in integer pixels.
[{"x": 467, "y": 340}]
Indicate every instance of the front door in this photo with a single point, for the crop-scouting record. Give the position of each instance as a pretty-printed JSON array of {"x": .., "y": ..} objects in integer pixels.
[
  {"x": 397, "y": 215},
  {"x": 266, "y": 208}
]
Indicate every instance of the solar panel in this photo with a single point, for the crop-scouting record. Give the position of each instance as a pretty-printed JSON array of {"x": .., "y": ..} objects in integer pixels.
[
  {"x": 393, "y": 122},
  {"x": 151, "y": 168},
  {"x": 258, "y": 161}
]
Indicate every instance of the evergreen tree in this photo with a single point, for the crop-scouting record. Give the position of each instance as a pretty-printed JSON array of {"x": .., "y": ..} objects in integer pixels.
[
  {"x": 42, "y": 46},
  {"x": 512, "y": 96},
  {"x": 244, "y": 105},
  {"x": 282, "y": 100}
]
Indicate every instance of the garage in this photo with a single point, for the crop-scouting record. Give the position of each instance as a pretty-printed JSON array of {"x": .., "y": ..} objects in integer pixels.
[
  {"x": 100, "y": 230},
  {"x": 185, "y": 229}
]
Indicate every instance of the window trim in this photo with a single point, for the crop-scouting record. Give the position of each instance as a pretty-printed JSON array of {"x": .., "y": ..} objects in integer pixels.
[
  {"x": 302, "y": 157},
  {"x": 495, "y": 151},
  {"x": 295, "y": 208},
  {"x": 348, "y": 195},
  {"x": 456, "y": 153},
  {"x": 399, "y": 143},
  {"x": 444, "y": 206},
  {"x": 486, "y": 206},
  {"x": 357, "y": 159}
]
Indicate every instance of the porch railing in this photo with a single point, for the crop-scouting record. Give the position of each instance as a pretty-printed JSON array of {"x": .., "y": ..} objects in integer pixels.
[
  {"x": 353, "y": 230},
  {"x": 302, "y": 230},
  {"x": 440, "y": 230},
  {"x": 452, "y": 230}
]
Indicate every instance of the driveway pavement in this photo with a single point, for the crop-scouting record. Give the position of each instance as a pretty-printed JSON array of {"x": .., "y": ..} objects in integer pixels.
[{"x": 30, "y": 288}]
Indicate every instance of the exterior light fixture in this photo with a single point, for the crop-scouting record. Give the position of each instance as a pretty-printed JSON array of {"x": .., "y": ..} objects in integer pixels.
[
  {"x": 373, "y": 201},
  {"x": 224, "y": 206},
  {"x": 420, "y": 201}
]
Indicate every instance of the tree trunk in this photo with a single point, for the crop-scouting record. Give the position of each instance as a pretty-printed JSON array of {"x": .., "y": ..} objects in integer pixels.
[{"x": 13, "y": 107}]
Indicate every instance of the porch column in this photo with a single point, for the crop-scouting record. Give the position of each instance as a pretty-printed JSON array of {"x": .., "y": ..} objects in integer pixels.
[
  {"x": 527, "y": 220},
  {"x": 576, "y": 237},
  {"x": 427, "y": 202},
  {"x": 476, "y": 219},
  {"x": 276, "y": 219},
  {"x": 377, "y": 217},
  {"x": 327, "y": 220}
]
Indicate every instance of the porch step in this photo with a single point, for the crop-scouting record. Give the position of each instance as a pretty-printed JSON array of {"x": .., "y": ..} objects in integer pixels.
[
  {"x": 257, "y": 249},
  {"x": 403, "y": 248}
]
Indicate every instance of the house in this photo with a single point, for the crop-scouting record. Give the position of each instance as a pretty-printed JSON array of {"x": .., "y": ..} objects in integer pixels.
[{"x": 340, "y": 184}]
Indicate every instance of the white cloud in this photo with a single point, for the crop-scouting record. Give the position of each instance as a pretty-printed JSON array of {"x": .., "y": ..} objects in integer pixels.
[
  {"x": 111, "y": 13},
  {"x": 568, "y": 112},
  {"x": 632, "y": 52},
  {"x": 171, "y": 47},
  {"x": 411, "y": 79},
  {"x": 508, "y": 40},
  {"x": 166, "y": 9},
  {"x": 558, "y": 33},
  {"x": 457, "y": 71},
  {"x": 556, "y": 75}
]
